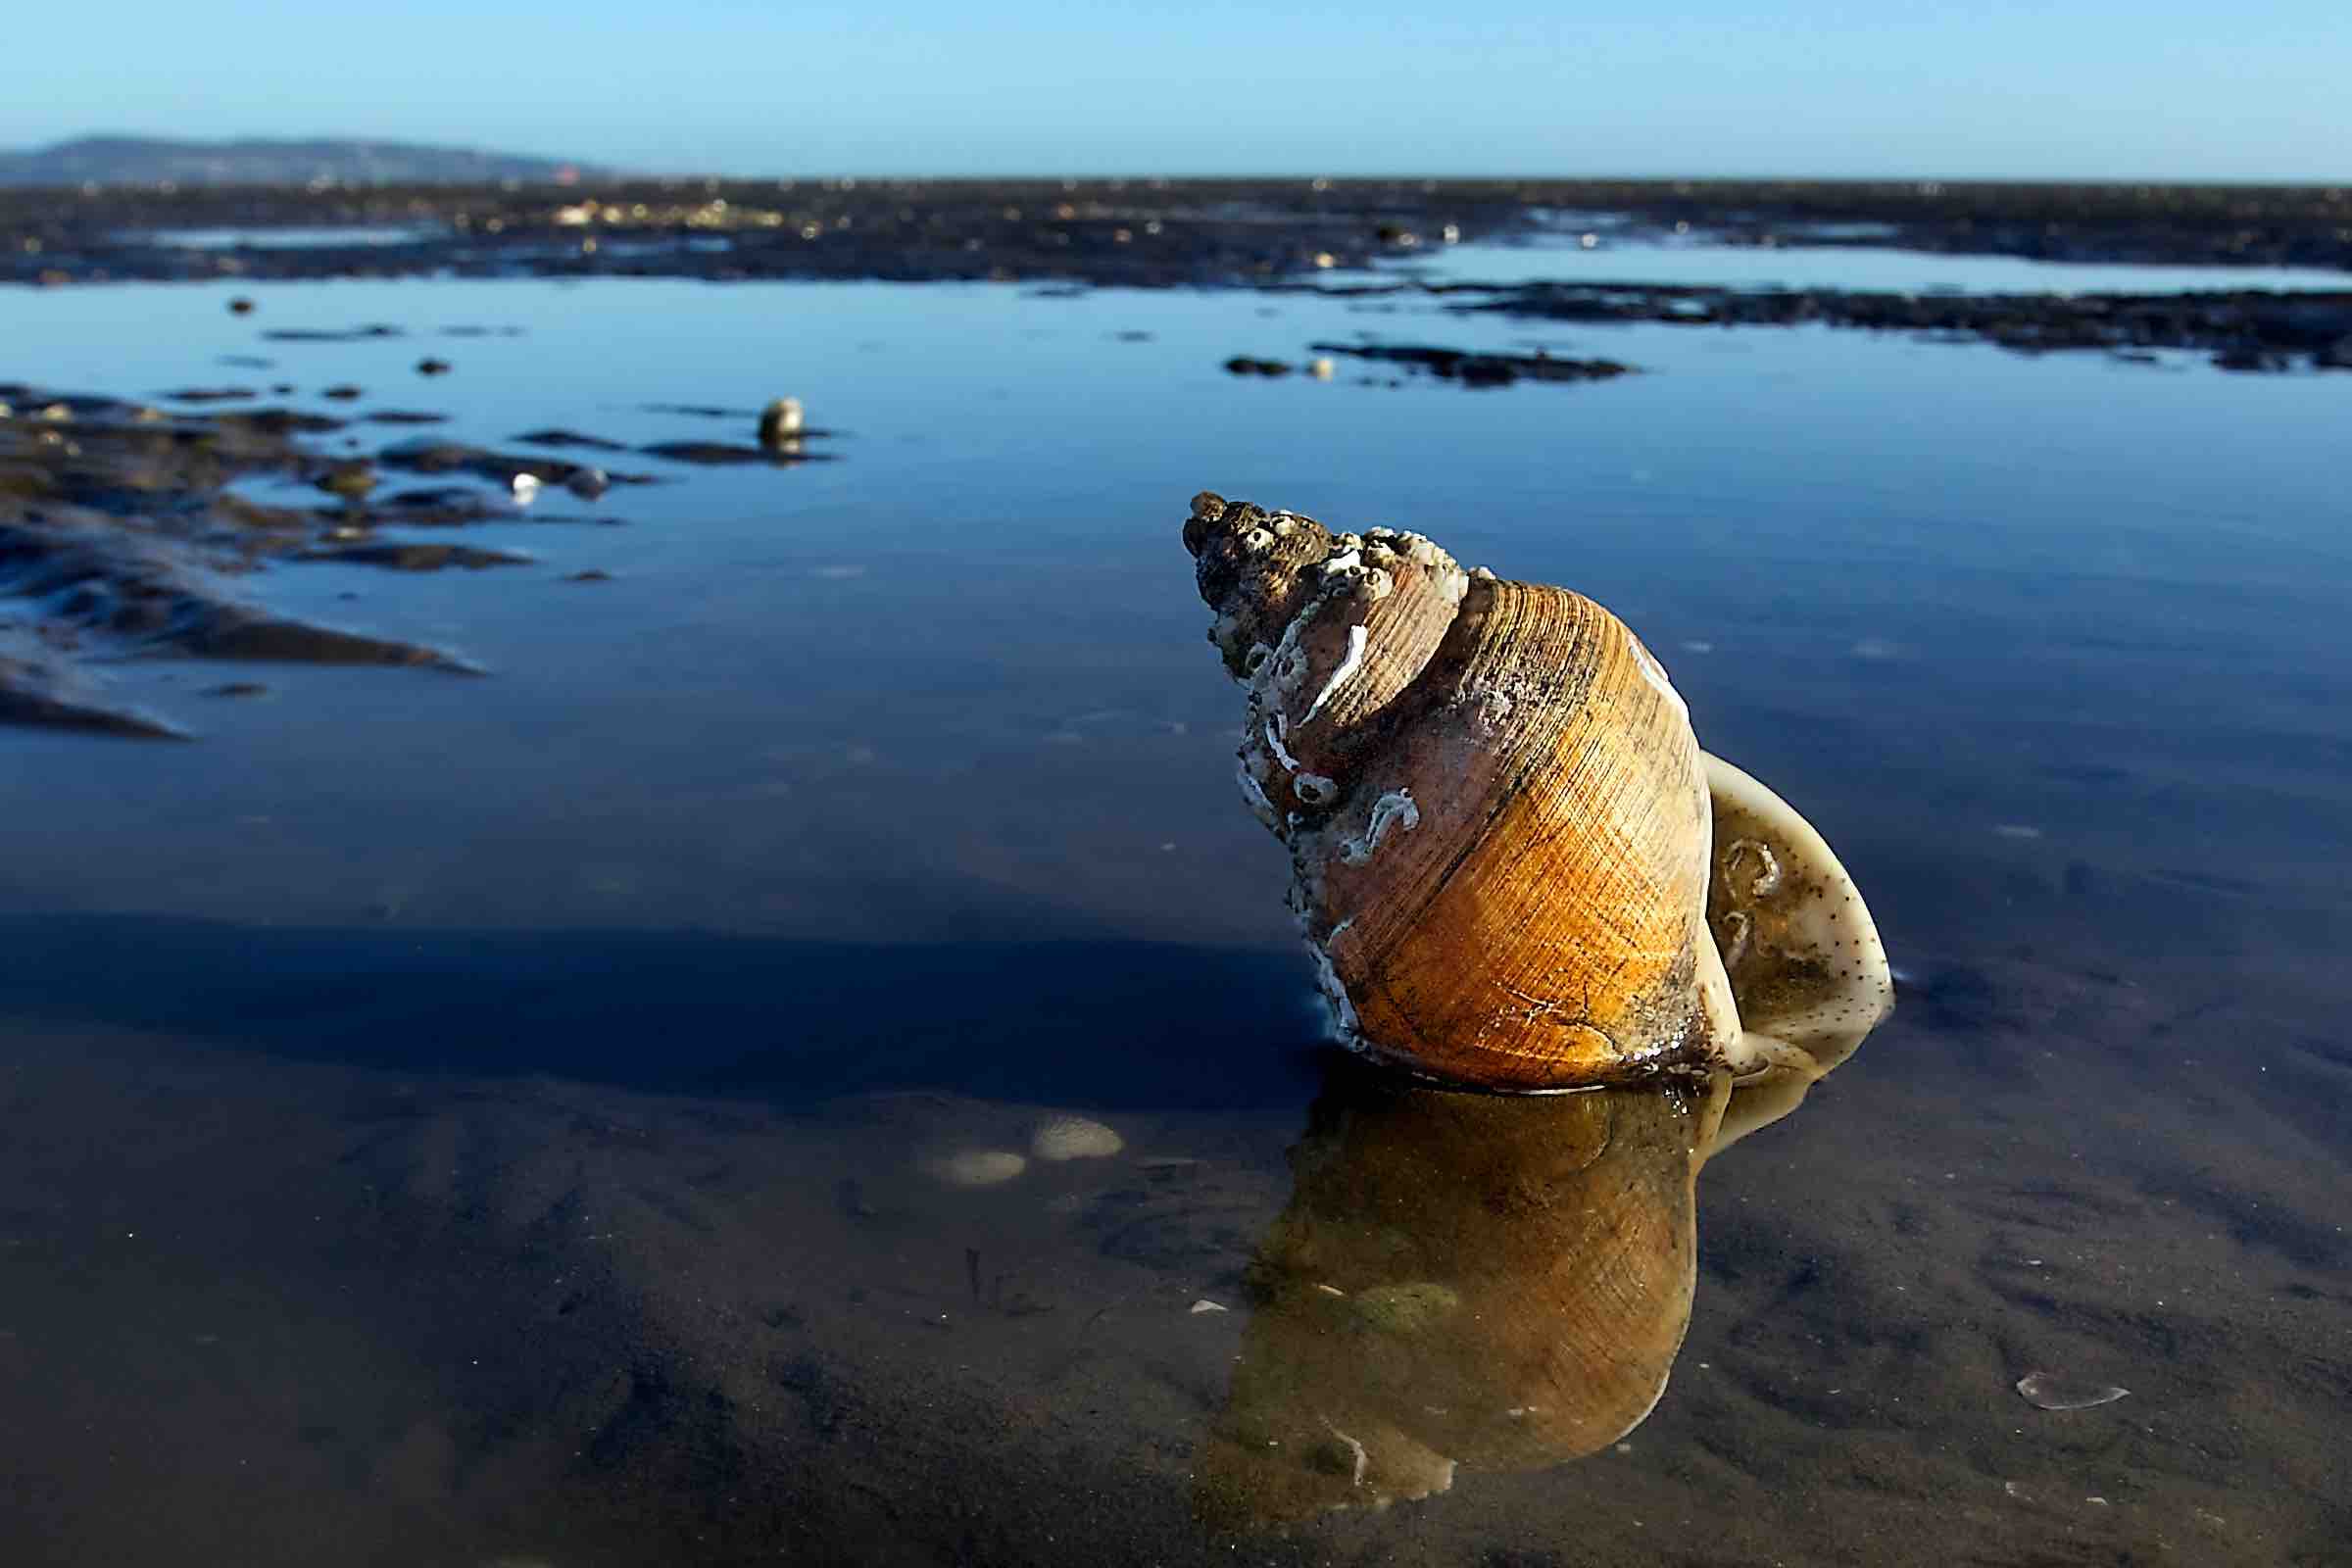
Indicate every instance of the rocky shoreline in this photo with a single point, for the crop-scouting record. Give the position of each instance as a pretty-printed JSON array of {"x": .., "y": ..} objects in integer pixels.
[
  {"x": 124, "y": 535},
  {"x": 1146, "y": 233},
  {"x": 1277, "y": 234},
  {"x": 2248, "y": 329}
]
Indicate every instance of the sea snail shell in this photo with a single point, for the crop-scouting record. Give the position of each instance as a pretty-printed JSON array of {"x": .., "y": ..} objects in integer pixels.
[{"x": 1502, "y": 830}]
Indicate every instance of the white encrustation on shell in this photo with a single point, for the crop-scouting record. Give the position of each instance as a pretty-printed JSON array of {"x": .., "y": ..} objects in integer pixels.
[
  {"x": 1061, "y": 1138},
  {"x": 1357, "y": 638},
  {"x": 1394, "y": 809},
  {"x": 974, "y": 1167}
]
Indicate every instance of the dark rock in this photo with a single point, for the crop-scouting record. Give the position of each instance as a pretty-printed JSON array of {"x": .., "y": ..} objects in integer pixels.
[
  {"x": 1479, "y": 368},
  {"x": 569, "y": 438},
  {"x": 278, "y": 421},
  {"x": 2244, "y": 331},
  {"x": 403, "y": 557},
  {"x": 714, "y": 453},
  {"x": 2250, "y": 357},
  {"x": 427, "y": 456},
  {"x": 356, "y": 334},
  {"x": 350, "y": 480}
]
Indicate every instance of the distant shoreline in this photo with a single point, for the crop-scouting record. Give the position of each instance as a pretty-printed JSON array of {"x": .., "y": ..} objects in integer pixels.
[
  {"x": 1139, "y": 232},
  {"x": 1262, "y": 234}
]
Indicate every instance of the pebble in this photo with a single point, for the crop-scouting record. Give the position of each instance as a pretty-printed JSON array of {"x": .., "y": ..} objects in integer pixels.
[{"x": 1062, "y": 1137}]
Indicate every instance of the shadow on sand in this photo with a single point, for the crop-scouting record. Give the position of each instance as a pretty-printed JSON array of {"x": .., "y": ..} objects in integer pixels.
[{"x": 1102, "y": 1023}]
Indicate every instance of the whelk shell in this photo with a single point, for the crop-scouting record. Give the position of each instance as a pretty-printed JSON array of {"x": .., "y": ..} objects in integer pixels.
[{"x": 1513, "y": 865}]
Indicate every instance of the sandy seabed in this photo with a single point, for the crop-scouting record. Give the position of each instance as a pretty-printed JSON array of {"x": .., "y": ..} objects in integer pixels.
[{"x": 274, "y": 1311}]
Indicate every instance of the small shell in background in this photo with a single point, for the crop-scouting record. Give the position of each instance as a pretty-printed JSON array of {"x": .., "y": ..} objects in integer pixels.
[
  {"x": 1061, "y": 1138},
  {"x": 781, "y": 421}
]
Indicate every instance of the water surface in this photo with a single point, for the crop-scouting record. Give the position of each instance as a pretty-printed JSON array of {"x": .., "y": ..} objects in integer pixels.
[
  {"x": 1693, "y": 260},
  {"x": 477, "y": 1120}
]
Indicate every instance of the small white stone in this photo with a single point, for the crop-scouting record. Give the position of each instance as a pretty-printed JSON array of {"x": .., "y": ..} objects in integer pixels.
[
  {"x": 1205, "y": 1305},
  {"x": 1062, "y": 1137}
]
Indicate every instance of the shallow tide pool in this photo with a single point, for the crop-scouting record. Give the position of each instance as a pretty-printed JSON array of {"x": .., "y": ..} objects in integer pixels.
[{"x": 517, "y": 1118}]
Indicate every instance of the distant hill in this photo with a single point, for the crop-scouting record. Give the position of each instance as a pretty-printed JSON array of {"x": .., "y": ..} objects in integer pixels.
[{"x": 153, "y": 160}]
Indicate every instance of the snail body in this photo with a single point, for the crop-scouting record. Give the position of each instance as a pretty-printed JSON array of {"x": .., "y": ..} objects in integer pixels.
[{"x": 1501, "y": 827}]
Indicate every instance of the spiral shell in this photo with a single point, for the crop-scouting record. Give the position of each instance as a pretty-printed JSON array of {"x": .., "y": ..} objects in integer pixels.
[{"x": 1499, "y": 821}]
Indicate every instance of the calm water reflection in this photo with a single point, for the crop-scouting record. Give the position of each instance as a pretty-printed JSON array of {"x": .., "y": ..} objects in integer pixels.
[
  {"x": 461, "y": 1120},
  {"x": 1598, "y": 250}
]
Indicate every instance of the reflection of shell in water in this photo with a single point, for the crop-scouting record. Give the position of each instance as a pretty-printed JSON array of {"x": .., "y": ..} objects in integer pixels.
[
  {"x": 975, "y": 1167},
  {"x": 1495, "y": 1281},
  {"x": 2055, "y": 1390},
  {"x": 1499, "y": 819}
]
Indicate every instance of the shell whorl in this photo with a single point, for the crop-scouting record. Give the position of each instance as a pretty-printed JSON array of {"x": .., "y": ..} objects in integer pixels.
[{"x": 1498, "y": 819}]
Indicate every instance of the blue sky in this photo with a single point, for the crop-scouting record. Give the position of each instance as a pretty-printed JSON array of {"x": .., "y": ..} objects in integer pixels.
[{"x": 2068, "y": 88}]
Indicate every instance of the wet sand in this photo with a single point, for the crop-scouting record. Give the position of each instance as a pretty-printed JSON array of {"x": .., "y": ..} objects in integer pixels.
[{"x": 539, "y": 1317}]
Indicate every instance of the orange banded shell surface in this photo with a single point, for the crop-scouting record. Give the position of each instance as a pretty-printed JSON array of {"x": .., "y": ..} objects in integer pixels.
[{"x": 1495, "y": 810}]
